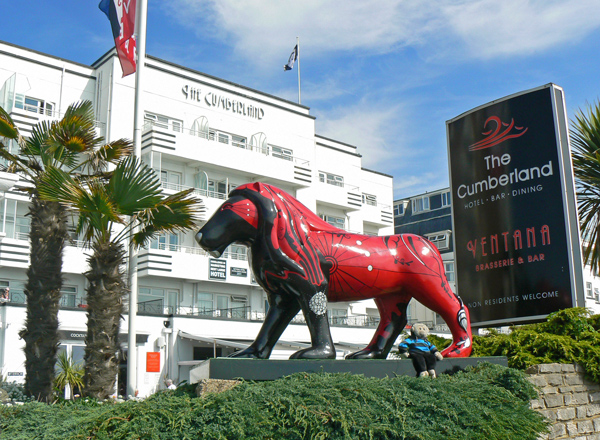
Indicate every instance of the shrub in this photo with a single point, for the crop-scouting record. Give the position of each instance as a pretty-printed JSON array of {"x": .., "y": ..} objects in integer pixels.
[
  {"x": 488, "y": 401},
  {"x": 15, "y": 391},
  {"x": 567, "y": 336}
]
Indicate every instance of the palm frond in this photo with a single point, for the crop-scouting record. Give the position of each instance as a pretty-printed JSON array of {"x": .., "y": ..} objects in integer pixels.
[
  {"x": 83, "y": 113},
  {"x": 89, "y": 198},
  {"x": 585, "y": 141},
  {"x": 36, "y": 143},
  {"x": 178, "y": 212},
  {"x": 113, "y": 152},
  {"x": 8, "y": 129},
  {"x": 134, "y": 186}
]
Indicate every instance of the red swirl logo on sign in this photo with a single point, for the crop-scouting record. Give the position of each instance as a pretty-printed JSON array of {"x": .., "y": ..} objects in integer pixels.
[{"x": 497, "y": 134}]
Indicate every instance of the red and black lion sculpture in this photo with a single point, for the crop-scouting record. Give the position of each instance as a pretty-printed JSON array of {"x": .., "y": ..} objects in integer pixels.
[{"x": 303, "y": 263}]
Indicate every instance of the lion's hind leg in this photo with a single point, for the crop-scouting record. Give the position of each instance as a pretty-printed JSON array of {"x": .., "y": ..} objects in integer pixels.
[
  {"x": 439, "y": 298},
  {"x": 392, "y": 309}
]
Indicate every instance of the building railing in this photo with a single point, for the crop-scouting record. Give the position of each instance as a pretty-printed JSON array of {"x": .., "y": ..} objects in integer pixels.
[
  {"x": 230, "y": 254},
  {"x": 232, "y": 139},
  {"x": 244, "y": 313},
  {"x": 53, "y": 114},
  {"x": 157, "y": 307},
  {"x": 197, "y": 191},
  {"x": 17, "y": 296},
  {"x": 340, "y": 184}
]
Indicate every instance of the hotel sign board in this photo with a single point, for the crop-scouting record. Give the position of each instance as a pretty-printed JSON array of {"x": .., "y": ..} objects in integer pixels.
[
  {"x": 217, "y": 269},
  {"x": 516, "y": 238}
]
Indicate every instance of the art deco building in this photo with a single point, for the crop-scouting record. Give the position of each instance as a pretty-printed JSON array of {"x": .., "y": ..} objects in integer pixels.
[{"x": 204, "y": 133}]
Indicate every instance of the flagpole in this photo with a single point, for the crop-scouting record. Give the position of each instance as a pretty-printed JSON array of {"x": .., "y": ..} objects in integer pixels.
[
  {"x": 298, "y": 45},
  {"x": 138, "y": 122}
]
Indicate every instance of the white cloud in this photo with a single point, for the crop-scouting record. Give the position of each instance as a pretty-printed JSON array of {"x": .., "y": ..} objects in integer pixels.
[
  {"x": 265, "y": 30},
  {"x": 490, "y": 28},
  {"x": 373, "y": 128}
]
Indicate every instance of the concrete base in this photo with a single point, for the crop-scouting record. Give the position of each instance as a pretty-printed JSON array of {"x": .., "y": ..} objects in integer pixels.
[{"x": 266, "y": 369}]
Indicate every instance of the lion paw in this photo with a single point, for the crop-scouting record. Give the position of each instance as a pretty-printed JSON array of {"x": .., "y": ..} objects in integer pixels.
[
  {"x": 315, "y": 353},
  {"x": 461, "y": 348},
  {"x": 366, "y": 353}
]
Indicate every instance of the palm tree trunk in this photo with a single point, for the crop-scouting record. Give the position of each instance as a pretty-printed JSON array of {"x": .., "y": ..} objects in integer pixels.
[
  {"x": 48, "y": 236},
  {"x": 105, "y": 306}
]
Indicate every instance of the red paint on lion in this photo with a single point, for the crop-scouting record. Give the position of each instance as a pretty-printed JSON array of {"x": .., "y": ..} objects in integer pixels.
[{"x": 303, "y": 248}]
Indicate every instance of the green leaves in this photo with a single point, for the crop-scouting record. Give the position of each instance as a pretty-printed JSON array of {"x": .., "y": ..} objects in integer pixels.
[
  {"x": 487, "y": 401},
  {"x": 70, "y": 373},
  {"x": 585, "y": 141},
  {"x": 130, "y": 195},
  {"x": 568, "y": 336},
  {"x": 7, "y": 126}
]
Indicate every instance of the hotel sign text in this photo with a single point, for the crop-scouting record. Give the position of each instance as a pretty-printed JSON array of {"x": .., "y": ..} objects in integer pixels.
[{"x": 212, "y": 99}]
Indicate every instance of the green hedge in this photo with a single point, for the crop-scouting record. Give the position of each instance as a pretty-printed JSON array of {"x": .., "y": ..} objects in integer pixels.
[
  {"x": 488, "y": 401},
  {"x": 567, "y": 336}
]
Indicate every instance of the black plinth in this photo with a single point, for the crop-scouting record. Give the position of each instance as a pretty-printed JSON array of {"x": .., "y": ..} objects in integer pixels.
[{"x": 267, "y": 369}]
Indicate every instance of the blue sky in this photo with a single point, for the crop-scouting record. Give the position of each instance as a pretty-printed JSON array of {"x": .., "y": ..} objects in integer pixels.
[{"x": 384, "y": 76}]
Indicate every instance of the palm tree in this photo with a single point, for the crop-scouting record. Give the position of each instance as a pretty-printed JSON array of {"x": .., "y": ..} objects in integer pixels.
[
  {"x": 71, "y": 144},
  {"x": 70, "y": 373},
  {"x": 585, "y": 141},
  {"x": 126, "y": 203}
]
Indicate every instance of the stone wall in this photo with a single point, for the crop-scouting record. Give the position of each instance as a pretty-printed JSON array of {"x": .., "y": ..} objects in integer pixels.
[{"x": 569, "y": 400}]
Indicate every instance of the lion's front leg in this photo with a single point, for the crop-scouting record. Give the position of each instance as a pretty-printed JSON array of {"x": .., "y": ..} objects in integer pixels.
[
  {"x": 282, "y": 308},
  {"x": 315, "y": 312}
]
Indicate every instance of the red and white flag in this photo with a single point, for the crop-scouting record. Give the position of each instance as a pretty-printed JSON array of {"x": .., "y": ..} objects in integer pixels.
[{"x": 121, "y": 14}]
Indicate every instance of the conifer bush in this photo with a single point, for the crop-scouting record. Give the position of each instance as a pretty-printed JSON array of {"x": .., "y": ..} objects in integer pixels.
[
  {"x": 487, "y": 401},
  {"x": 567, "y": 336}
]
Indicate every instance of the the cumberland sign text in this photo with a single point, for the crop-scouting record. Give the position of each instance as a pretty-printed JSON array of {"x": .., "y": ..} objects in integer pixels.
[
  {"x": 517, "y": 248},
  {"x": 212, "y": 99}
]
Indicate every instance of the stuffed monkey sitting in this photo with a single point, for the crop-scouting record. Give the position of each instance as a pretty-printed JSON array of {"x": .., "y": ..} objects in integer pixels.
[{"x": 422, "y": 352}]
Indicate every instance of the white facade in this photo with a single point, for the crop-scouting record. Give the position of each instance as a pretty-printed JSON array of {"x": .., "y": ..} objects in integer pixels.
[{"x": 211, "y": 135}]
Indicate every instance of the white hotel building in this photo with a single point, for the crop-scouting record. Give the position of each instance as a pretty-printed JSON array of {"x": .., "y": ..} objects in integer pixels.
[{"x": 201, "y": 132}]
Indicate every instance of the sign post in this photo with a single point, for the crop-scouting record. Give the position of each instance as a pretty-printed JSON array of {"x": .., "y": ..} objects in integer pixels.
[{"x": 516, "y": 235}]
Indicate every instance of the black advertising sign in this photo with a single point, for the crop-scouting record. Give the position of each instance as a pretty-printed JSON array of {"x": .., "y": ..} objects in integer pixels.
[
  {"x": 516, "y": 243},
  {"x": 238, "y": 271},
  {"x": 217, "y": 269}
]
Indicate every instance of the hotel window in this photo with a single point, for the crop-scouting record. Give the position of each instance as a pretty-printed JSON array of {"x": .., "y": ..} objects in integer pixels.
[
  {"x": 597, "y": 294},
  {"x": 331, "y": 179},
  {"x": 166, "y": 242},
  {"x": 34, "y": 105},
  {"x": 338, "y": 222},
  {"x": 588, "y": 290},
  {"x": 420, "y": 204},
  {"x": 446, "y": 200},
  {"x": 449, "y": 268},
  {"x": 236, "y": 252},
  {"x": 217, "y": 189},
  {"x": 170, "y": 180},
  {"x": 399, "y": 209},
  {"x": 152, "y": 301},
  {"x": 369, "y": 199},
  {"x": 68, "y": 296},
  {"x": 204, "y": 303},
  {"x": 22, "y": 228},
  {"x": 164, "y": 121},
  {"x": 238, "y": 141},
  {"x": 282, "y": 153},
  {"x": 338, "y": 316},
  {"x": 440, "y": 239}
]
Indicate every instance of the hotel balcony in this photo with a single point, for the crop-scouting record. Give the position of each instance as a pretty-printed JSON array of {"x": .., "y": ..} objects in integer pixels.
[
  {"x": 377, "y": 214},
  {"x": 228, "y": 153},
  {"x": 339, "y": 195},
  {"x": 194, "y": 264}
]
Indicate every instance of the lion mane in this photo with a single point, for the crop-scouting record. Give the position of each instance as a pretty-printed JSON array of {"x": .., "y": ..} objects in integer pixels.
[{"x": 284, "y": 229}]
